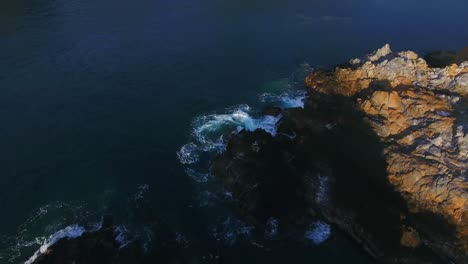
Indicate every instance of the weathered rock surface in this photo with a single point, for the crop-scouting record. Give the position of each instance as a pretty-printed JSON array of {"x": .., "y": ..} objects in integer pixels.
[
  {"x": 379, "y": 150},
  {"x": 403, "y": 68},
  {"x": 418, "y": 112}
]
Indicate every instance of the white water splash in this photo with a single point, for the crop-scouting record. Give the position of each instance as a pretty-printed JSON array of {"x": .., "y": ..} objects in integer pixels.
[
  {"x": 32, "y": 233},
  {"x": 69, "y": 232},
  {"x": 188, "y": 154},
  {"x": 209, "y": 131}
]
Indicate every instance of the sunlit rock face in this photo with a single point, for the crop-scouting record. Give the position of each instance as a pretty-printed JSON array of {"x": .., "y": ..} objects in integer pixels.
[
  {"x": 419, "y": 114},
  {"x": 403, "y": 68}
]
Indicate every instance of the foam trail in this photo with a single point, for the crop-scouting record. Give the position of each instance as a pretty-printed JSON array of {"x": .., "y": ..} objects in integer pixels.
[{"x": 72, "y": 231}]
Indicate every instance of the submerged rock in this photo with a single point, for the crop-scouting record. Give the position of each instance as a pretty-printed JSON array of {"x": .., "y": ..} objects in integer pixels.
[{"x": 389, "y": 135}]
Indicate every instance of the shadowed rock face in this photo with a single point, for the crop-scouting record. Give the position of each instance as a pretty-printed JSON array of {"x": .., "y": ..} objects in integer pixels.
[{"x": 388, "y": 135}]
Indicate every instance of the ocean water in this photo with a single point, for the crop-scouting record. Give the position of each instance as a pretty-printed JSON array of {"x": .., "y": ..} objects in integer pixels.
[{"x": 117, "y": 106}]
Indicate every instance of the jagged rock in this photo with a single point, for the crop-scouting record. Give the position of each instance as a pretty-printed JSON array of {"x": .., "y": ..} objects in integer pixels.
[
  {"x": 404, "y": 68},
  {"x": 389, "y": 132},
  {"x": 417, "y": 112}
]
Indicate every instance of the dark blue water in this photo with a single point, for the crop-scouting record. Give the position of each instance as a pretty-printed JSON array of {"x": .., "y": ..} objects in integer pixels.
[{"x": 96, "y": 98}]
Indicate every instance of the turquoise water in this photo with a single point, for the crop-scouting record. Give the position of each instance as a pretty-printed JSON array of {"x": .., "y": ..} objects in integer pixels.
[{"x": 97, "y": 98}]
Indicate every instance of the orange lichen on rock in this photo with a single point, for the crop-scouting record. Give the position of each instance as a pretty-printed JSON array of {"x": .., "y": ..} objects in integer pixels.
[
  {"x": 404, "y": 68},
  {"x": 415, "y": 110}
]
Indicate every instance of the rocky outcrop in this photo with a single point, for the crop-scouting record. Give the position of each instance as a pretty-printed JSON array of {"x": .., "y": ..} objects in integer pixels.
[
  {"x": 104, "y": 246},
  {"x": 418, "y": 112},
  {"x": 98, "y": 246},
  {"x": 379, "y": 150},
  {"x": 403, "y": 68}
]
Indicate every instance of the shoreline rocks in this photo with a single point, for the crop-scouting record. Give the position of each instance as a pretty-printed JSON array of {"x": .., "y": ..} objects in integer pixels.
[
  {"x": 389, "y": 133},
  {"x": 419, "y": 114}
]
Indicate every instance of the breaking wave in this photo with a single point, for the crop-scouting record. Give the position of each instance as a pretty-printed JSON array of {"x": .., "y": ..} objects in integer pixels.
[
  {"x": 60, "y": 218},
  {"x": 208, "y": 137},
  {"x": 72, "y": 231},
  {"x": 209, "y": 132}
]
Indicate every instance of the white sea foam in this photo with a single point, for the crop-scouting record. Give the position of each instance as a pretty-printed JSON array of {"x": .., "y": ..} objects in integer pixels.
[
  {"x": 32, "y": 233},
  {"x": 285, "y": 100},
  {"x": 209, "y": 131},
  {"x": 318, "y": 233},
  {"x": 189, "y": 153},
  {"x": 72, "y": 231}
]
